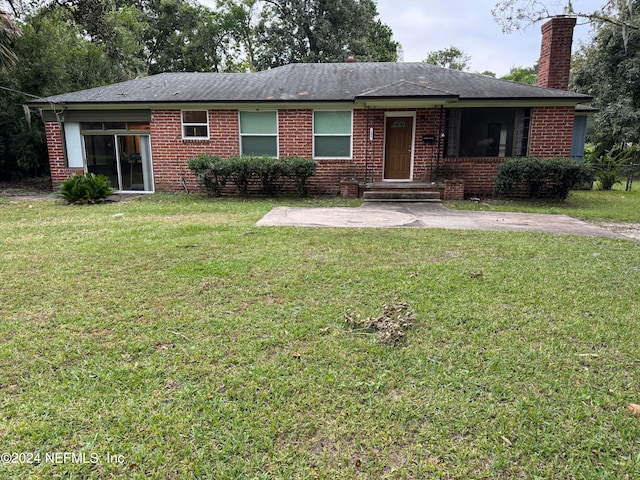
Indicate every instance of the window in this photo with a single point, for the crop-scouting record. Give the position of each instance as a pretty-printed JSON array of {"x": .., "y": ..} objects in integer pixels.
[
  {"x": 94, "y": 127},
  {"x": 73, "y": 145},
  {"x": 332, "y": 134},
  {"x": 195, "y": 124},
  {"x": 488, "y": 132},
  {"x": 259, "y": 133}
]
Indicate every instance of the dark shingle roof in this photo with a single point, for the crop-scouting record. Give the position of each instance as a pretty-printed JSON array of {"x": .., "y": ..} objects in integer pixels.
[{"x": 315, "y": 82}]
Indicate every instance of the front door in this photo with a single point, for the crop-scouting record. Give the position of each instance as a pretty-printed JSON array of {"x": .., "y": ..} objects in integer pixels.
[{"x": 398, "y": 152}]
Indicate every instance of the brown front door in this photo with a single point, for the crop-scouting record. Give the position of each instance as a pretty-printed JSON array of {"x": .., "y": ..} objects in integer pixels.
[{"x": 397, "y": 154}]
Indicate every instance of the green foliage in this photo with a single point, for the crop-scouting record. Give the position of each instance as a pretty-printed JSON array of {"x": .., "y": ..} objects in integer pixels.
[
  {"x": 451, "y": 57},
  {"x": 212, "y": 171},
  {"x": 311, "y": 31},
  {"x": 269, "y": 170},
  {"x": 381, "y": 46},
  {"x": 185, "y": 37},
  {"x": 528, "y": 75},
  {"x": 608, "y": 167},
  {"x": 300, "y": 169},
  {"x": 607, "y": 68},
  {"x": 53, "y": 58},
  {"x": 243, "y": 168},
  {"x": 89, "y": 188},
  {"x": 541, "y": 177},
  {"x": 8, "y": 32}
]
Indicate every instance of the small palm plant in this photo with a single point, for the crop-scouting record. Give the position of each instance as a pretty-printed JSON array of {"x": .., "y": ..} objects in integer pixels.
[
  {"x": 88, "y": 188},
  {"x": 608, "y": 168}
]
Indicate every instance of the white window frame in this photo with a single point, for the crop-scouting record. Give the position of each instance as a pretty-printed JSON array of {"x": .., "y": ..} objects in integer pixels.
[
  {"x": 73, "y": 145},
  {"x": 350, "y": 135},
  {"x": 184, "y": 124},
  {"x": 277, "y": 134}
]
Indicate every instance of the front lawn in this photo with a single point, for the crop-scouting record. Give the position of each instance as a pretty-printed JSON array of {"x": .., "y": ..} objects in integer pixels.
[
  {"x": 168, "y": 337},
  {"x": 591, "y": 205}
]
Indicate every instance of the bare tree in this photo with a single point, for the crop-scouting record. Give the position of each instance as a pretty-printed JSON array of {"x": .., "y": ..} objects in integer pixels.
[{"x": 519, "y": 14}]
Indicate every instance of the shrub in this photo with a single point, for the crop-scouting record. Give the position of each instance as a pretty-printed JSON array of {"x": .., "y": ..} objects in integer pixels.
[
  {"x": 243, "y": 168},
  {"x": 300, "y": 169},
  {"x": 212, "y": 171},
  {"x": 88, "y": 188},
  {"x": 541, "y": 177},
  {"x": 269, "y": 169}
]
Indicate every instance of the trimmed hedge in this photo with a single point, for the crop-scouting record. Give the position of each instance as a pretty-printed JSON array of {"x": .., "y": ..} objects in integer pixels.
[
  {"x": 215, "y": 172},
  {"x": 539, "y": 177},
  {"x": 212, "y": 171}
]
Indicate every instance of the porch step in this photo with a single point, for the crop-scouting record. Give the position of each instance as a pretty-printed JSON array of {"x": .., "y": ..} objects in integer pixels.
[{"x": 401, "y": 195}]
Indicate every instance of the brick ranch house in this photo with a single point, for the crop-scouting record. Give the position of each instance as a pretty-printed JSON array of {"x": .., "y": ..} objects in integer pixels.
[{"x": 377, "y": 123}]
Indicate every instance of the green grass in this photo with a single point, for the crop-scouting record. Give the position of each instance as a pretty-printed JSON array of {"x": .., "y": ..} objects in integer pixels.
[
  {"x": 588, "y": 205},
  {"x": 173, "y": 332}
]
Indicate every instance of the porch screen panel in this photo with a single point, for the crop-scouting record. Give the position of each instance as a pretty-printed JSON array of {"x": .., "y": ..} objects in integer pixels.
[
  {"x": 259, "y": 133},
  {"x": 332, "y": 134},
  {"x": 488, "y": 132},
  {"x": 453, "y": 132},
  {"x": 523, "y": 126}
]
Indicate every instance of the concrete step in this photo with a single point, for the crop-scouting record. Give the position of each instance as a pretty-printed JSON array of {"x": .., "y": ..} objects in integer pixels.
[{"x": 401, "y": 196}]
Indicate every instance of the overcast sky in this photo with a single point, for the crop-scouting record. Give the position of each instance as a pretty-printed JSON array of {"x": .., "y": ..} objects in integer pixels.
[{"x": 422, "y": 26}]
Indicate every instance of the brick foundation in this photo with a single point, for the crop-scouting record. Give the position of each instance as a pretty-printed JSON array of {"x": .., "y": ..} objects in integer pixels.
[
  {"x": 349, "y": 189},
  {"x": 453, "y": 190}
]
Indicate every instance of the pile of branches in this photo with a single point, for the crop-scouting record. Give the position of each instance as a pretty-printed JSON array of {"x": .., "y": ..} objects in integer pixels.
[{"x": 390, "y": 327}]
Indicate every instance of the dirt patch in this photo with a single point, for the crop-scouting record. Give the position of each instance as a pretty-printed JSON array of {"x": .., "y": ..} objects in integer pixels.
[
  {"x": 631, "y": 230},
  {"x": 27, "y": 186}
]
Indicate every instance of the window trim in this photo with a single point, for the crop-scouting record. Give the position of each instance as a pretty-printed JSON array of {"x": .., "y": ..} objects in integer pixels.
[
  {"x": 184, "y": 124},
  {"x": 314, "y": 135},
  {"x": 266, "y": 135}
]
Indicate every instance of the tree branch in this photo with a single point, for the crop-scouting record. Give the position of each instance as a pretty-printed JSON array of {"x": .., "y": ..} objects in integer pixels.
[{"x": 519, "y": 14}]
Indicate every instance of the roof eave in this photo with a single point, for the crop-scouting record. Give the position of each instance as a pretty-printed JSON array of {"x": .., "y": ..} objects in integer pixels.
[{"x": 365, "y": 101}]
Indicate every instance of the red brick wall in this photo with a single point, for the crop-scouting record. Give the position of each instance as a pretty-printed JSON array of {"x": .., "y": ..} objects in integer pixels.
[
  {"x": 551, "y": 132},
  {"x": 551, "y": 136},
  {"x": 295, "y": 131},
  {"x": 170, "y": 153},
  {"x": 453, "y": 190},
  {"x": 478, "y": 173},
  {"x": 57, "y": 162}
]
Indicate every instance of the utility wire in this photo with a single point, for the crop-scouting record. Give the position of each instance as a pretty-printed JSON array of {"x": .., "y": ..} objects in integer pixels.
[{"x": 21, "y": 93}]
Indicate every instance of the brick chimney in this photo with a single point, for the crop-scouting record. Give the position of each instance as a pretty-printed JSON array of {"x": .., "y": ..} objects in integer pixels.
[{"x": 555, "y": 53}]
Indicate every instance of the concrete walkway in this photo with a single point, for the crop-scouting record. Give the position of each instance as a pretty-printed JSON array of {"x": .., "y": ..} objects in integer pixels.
[{"x": 429, "y": 215}]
